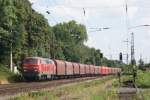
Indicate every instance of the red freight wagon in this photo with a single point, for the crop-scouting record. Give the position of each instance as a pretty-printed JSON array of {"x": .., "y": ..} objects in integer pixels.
[
  {"x": 103, "y": 70},
  {"x": 91, "y": 69},
  {"x": 100, "y": 69},
  {"x": 111, "y": 70},
  {"x": 96, "y": 68},
  {"x": 87, "y": 69},
  {"x": 82, "y": 69},
  {"x": 107, "y": 70},
  {"x": 69, "y": 68},
  {"x": 114, "y": 70},
  {"x": 60, "y": 67},
  {"x": 76, "y": 68}
]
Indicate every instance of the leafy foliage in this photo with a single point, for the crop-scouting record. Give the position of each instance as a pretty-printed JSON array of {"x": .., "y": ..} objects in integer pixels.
[
  {"x": 29, "y": 34},
  {"x": 143, "y": 79}
]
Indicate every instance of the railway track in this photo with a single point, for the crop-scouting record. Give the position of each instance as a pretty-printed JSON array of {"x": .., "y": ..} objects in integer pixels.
[
  {"x": 10, "y": 90},
  {"x": 129, "y": 91}
]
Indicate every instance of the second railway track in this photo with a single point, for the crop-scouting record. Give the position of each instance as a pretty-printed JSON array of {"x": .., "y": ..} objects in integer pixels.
[{"x": 10, "y": 90}]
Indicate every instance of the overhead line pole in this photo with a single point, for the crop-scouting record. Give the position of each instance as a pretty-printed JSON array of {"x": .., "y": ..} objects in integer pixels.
[
  {"x": 127, "y": 55},
  {"x": 132, "y": 50}
]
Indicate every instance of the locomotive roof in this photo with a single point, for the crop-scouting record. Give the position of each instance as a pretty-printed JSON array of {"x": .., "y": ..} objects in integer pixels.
[{"x": 37, "y": 58}]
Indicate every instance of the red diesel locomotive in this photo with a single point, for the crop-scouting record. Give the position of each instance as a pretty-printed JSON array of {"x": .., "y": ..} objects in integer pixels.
[{"x": 43, "y": 68}]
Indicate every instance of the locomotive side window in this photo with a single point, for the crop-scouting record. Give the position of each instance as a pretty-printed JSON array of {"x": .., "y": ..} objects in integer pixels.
[
  {"x": 30, "y": 61},
  {"x": 48, "y": 61},
  {"x": 43, "y": 62}
]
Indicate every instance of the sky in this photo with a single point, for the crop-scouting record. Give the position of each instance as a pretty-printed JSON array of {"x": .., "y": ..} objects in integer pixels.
[{"x": 101, "y": 14}]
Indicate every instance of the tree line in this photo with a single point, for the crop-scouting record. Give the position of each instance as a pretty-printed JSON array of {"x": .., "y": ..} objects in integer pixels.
[{"x": 29, "y": 34}]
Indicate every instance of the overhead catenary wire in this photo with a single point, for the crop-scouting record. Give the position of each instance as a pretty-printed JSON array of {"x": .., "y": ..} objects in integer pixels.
[
  {"x": 68, "y": 6},
  {"x": 64, "y": 9},
  {"x": 49, "y": 13}
]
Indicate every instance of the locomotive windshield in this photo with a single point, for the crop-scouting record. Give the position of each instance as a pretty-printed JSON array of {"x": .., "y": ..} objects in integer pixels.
[{"x": 30, "y": 61}]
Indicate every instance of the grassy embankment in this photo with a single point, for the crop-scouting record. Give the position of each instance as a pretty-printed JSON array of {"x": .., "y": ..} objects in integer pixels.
[
  {"x": 5, "y": 74},
  {"x": 142, "y": 82},
  {"x": 143, "y": 79},
  {"x": 91, "y": 90},
  {"x": 104, "y": 89}
]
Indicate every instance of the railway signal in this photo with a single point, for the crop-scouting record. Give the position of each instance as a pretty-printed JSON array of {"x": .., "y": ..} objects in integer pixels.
[{"x": 120, "y": 56}]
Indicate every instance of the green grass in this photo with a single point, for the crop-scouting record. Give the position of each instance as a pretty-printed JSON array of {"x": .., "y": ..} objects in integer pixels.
[
  {"x": 110, "y": 94},
  {"x": 92, "y": 90},
  {"x": 7, "y": 76},
  {"x": 143, "y": 83},
  {"x": 145, "y": 95},
  {"x": 143, "y": 79},
  {"x": 5, "y": 73}
]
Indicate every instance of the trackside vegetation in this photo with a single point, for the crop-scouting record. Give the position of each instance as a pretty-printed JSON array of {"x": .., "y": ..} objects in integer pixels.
[
  {"x": 143, "y": 79},
  {"x": 145, "y": 95},
  {"x": 92, "y": 90},
  {"x": 8, "y": 77},
  {"x": 4, "y": 72},
  {"x": 142, "y": 82}
]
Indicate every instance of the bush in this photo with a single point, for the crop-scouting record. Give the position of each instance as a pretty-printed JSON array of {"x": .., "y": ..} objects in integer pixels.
[
  {"x": 4, "y": 72},
  {"x": 16, "y": 78},
  {"x": 143, "y": 79}
]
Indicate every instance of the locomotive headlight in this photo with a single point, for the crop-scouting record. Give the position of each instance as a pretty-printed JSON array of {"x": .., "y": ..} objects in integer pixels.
[
  {"x": 36, "y": 70},
  {"x": 25, "y": 70}
]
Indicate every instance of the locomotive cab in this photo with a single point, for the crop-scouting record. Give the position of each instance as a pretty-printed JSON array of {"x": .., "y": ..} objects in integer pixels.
[{"x": 38, "y": 68}]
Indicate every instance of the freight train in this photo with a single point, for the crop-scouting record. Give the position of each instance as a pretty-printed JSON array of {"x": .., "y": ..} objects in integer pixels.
[{"x": 44, "y": 68}]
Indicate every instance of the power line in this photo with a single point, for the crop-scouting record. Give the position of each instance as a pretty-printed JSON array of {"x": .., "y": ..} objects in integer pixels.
[
  {"x": 65, "y": 11},
  {"x": 49, "y": 13}
]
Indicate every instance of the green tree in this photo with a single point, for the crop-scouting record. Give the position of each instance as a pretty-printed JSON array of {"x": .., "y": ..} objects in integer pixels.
[{"x": 141, "y": 64}]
